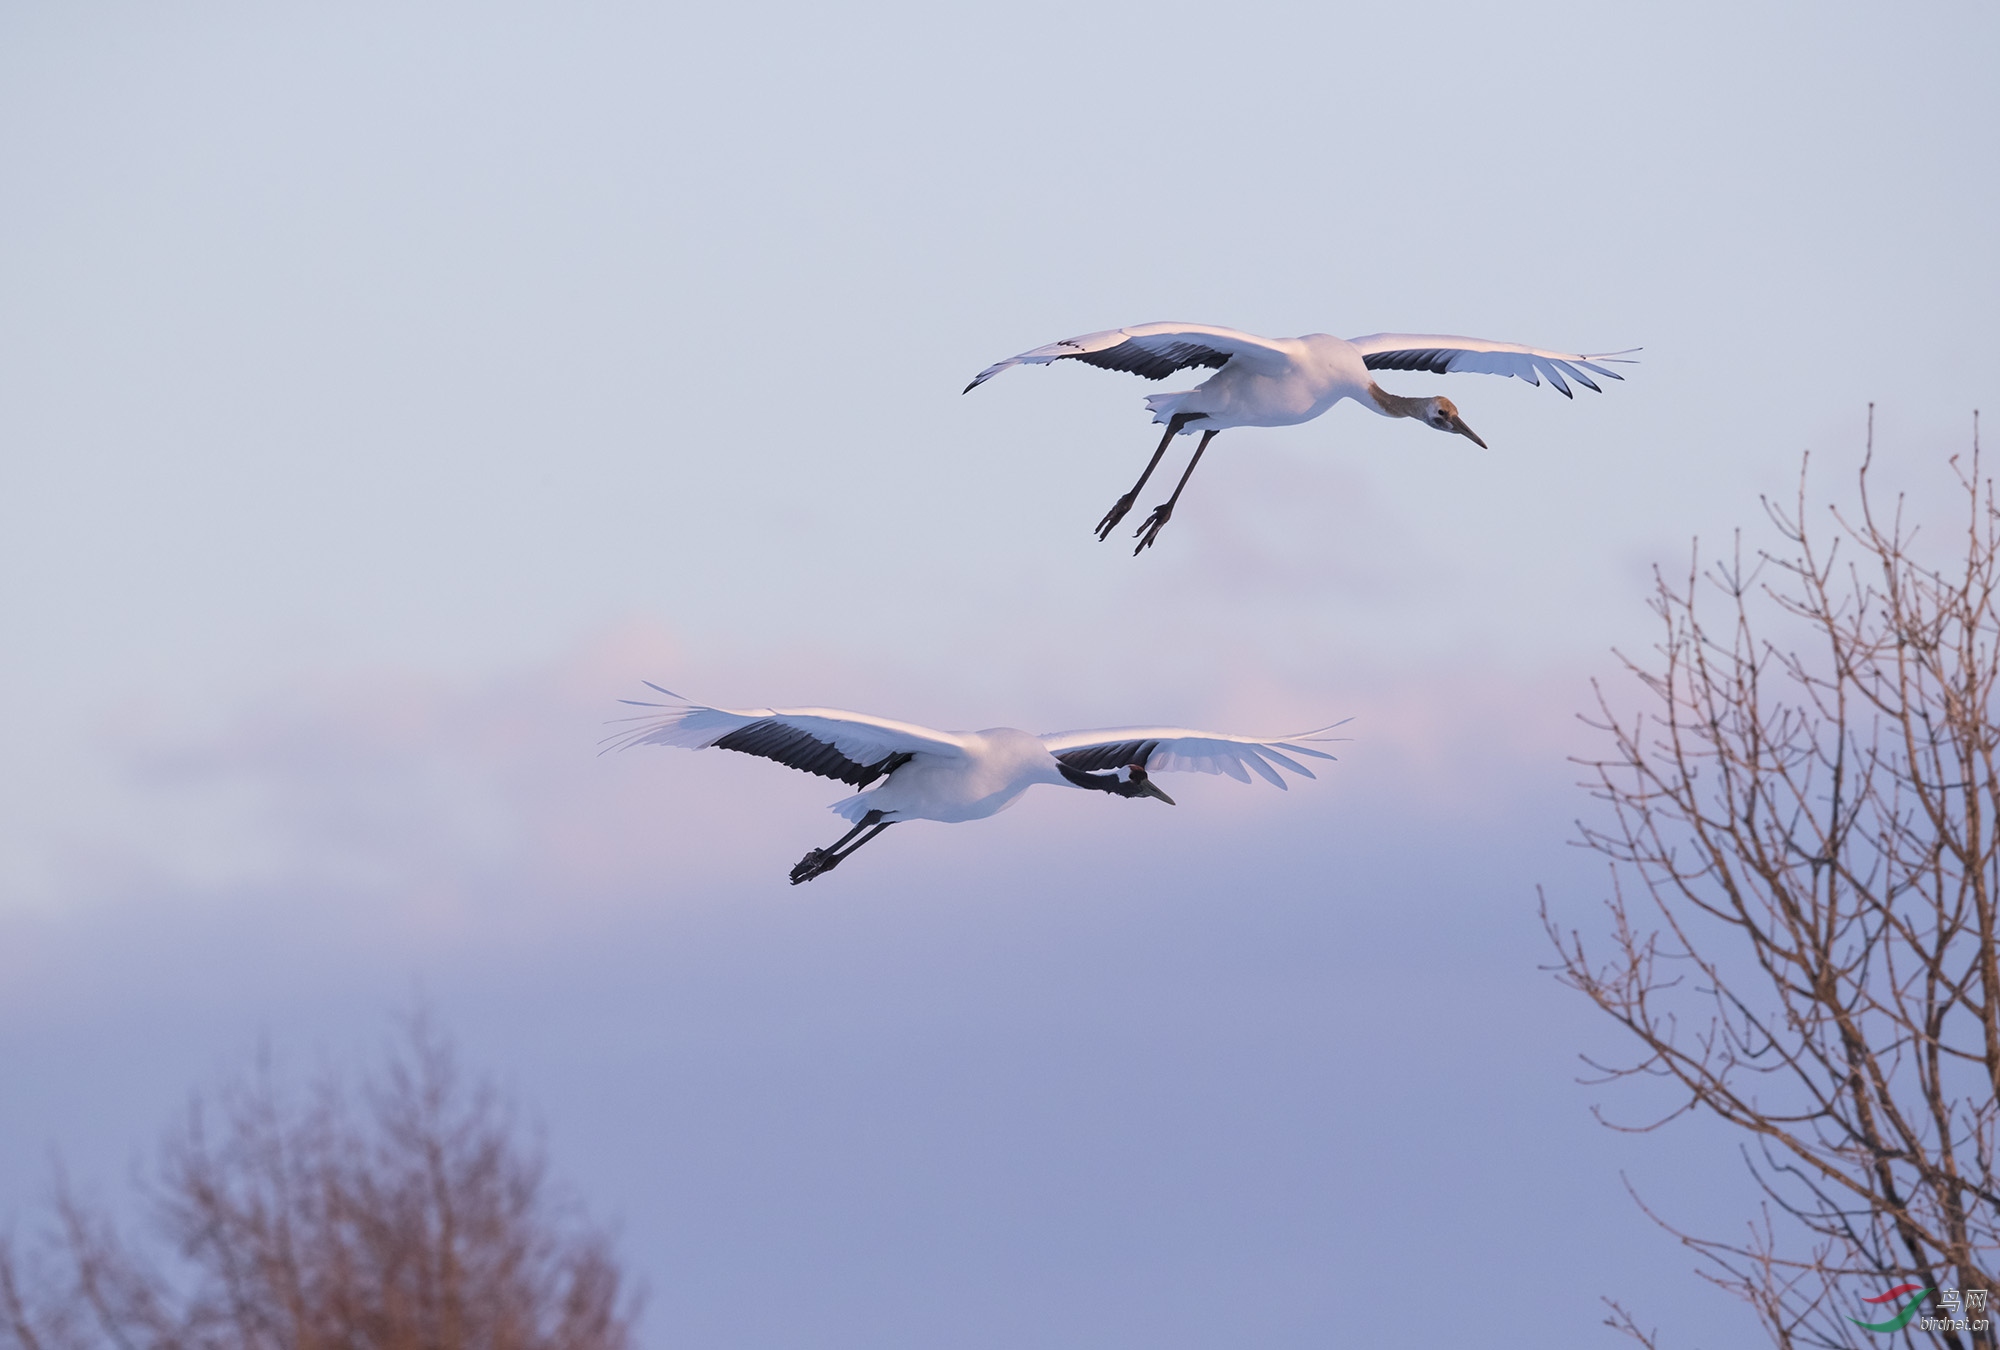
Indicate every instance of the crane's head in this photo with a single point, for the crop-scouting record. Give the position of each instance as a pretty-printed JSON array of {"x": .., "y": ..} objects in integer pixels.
[
  {"x": 1139, "y": 785},
  {"x": 1442, "y": 413}
]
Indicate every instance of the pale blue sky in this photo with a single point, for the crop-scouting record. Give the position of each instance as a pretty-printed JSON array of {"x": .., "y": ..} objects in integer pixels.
[{"x": 385, "y": 390}]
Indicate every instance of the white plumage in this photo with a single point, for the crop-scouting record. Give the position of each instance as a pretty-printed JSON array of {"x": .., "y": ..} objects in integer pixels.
[
  {"x": 955, "y": 776},
  {"x": 1278, "y": 382}
]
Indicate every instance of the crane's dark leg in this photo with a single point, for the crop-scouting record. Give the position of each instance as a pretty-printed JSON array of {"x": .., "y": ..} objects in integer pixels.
[
  {"x": 1164, "y": 512},
  {"x": 1124, "y": 503},
  {"x": 826, "y": 859}
]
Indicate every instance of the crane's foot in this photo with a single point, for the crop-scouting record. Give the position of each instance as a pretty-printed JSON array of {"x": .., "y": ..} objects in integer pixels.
[
  {"x": 1118, "y": 512},
  {"x": 1151, "y": 529},
  {"x": 818, "y": 861}
]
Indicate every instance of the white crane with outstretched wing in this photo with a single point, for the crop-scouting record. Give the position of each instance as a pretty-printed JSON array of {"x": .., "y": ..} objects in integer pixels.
[
  {"x": 1277, "y": 382},
  {"x": 954, "y": 775}
]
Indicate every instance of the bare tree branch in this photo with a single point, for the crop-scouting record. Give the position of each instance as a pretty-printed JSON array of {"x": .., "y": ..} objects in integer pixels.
[{"x": 1803, "y": 825}]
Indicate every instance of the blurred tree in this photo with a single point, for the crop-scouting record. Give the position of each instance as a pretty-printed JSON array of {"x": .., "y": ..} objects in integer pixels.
[
  {"x": 1804, "y": 829},
  {"x": 407, "y": 1215}
]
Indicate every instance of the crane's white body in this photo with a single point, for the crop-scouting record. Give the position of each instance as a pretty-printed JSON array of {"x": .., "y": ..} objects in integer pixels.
[
  {"x": 1299, "y": 380},
  {"x": 994, "y": 768}
]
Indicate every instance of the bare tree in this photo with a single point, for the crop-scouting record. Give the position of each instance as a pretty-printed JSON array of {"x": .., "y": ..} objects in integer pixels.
[
  {"x": 407, "y": 1216},
  {"x": 1804, "y": 830}
]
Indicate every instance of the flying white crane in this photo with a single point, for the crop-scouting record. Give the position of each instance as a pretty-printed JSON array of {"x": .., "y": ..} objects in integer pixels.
[
  {"x": 1278, "y": 382},
  {"x": 953, "y": 775}
]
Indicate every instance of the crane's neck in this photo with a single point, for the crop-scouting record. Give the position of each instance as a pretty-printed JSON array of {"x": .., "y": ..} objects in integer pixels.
[
  {"x": 1138, "y": 785},
  {"x": 1436, "y": 411},
  {"x": 1395, "y": 405}
]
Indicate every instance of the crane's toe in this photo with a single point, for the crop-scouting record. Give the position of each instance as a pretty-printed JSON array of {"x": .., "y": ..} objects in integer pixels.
[
  {"x": 1151, "y": 529},
  {"x": 814, "y": 863},
  {"x": 1119, "y": 510}
]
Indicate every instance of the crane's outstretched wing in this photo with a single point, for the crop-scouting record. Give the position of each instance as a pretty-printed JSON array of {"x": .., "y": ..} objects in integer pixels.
[
  {"x": 852, "y": 747},
  {"x": 1157, "y": 749},
  {"x": 1154, "y": 350},
  {"x": 1449, "y": 355}
]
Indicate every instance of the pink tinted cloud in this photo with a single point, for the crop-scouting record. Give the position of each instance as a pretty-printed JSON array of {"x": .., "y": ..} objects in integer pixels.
[{"x": 437, "y": 806}]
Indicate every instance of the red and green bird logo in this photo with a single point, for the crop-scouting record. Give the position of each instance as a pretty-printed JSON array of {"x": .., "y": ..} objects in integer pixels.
[{"x": 1903, "y": 1314}]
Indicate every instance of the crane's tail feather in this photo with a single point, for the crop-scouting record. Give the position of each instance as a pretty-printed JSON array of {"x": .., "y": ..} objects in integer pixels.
[
  {"x": 852, "y": 809},
  {"x": 1164, "y": 406}
]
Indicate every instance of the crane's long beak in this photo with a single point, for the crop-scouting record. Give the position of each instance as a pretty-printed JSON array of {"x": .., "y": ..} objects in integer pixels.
[
  {"x": 1458, "y": 425},
  {"x": 1148, "y": 788}
]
